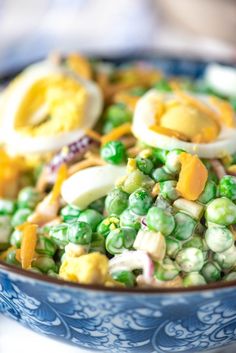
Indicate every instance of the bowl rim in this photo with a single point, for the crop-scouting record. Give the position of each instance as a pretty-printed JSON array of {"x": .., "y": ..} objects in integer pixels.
[{"x": 118, "y": 290}]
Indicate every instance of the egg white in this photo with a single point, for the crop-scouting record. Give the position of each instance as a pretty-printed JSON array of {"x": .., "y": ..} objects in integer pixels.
[
  {"x": 90, "y": 184},
  {"x": 144, "y": 117},
  {"x": 18, "y": 143}
]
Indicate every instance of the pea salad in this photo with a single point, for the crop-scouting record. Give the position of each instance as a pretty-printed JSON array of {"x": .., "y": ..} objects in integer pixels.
[{"x": 117, "y": 176}]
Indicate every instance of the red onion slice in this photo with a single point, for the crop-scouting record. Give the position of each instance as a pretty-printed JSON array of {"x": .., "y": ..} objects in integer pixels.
[
  {"x": 133, "y": 260},
  {"x": 74, "y": 150},
  {"x": 218, "y": 168}
]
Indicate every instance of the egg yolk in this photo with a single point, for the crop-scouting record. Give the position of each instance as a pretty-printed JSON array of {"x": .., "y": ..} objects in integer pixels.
[
  {"x": 189, "y": 121},
  {"x": 86, "y": 269},
  {"x": 52, "y": 105}
]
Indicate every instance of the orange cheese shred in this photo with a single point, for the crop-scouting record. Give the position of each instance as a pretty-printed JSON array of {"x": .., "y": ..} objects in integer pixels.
[
  {"x": 28, "y": 244},
  {"x": 91, "y": 162},
  {"x": 225, "y": 110},
  {"x": 80, "y": 65},
  {"x": 168, "y": 132},
  {"x": 62, "y": 175},
  {"x": 192, "y": 178},
  {"x": 127, "y": 99},
  {"x": 159, "y": 110},
  {"x": 117, "y": 133},
  {"x": 93, "y": 134}
]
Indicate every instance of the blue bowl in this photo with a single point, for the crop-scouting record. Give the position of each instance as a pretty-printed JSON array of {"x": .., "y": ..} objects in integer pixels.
[{"x": 117, "y": 320}]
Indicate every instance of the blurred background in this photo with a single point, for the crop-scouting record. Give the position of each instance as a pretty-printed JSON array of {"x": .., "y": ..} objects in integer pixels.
[{"x": 29, "y": 29}]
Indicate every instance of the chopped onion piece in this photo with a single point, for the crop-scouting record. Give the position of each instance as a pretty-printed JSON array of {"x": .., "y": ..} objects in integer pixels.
[
  {"x": 133, "y": 260},
  {"x": 74, "y": 150}
]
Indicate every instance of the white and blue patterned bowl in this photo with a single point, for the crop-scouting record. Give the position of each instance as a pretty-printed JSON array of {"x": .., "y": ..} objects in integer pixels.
[{"x": 117, "y": 320}]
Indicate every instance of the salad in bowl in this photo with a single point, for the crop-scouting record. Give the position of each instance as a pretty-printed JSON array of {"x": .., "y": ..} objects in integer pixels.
[
  {"x": 117, "y": 176},
  {"x": 118, "y": 205}
]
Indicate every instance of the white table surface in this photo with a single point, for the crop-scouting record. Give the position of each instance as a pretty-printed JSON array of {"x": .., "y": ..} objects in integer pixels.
[{"x": 15, "y": 338}]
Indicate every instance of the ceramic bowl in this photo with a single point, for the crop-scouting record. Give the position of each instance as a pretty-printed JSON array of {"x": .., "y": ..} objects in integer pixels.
[
  {"x": 124, "y": 321},
  {"x": 120, "y": 321}
]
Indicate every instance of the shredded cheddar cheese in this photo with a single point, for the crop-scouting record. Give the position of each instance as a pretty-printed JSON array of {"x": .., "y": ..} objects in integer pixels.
[
  {"x": 62, "y": 174},
  {"x": 117, "y": 133},
  {"x": 28, "y": 244},
  {"x": 225, "y": 110},
  {"x": 168, "y": 132}
]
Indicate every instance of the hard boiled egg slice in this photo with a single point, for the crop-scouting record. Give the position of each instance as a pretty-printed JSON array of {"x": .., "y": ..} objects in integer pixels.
[
  {"x": 46, "y": 107},
  {"x": 90, "y": 184},
  {"x": 166, "y": 121}
]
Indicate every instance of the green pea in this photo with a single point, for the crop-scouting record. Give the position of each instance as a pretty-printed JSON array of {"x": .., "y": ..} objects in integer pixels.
[
  {"x": 79, "y": 233},
  {"x": 53, "y": 274},
  {"x": 92, "y": 217},
  {"x": 98, "y": 205},
  {"x": 125, "y": 277},
  {"x": 173, "y": 246},
  {"x": 116, "y": 202},
  {"x": 160, "y": 220},
  {"x": 221, "y": 211},
  {"x": 193, "y": 279},
  {"x": 45, "y": 246},
  {"x": 97, "y": 243},
  {"x": 69, "y": 213},
  {"x": 130, "y": 219},
  {"x": 7, "y": 207},
  {"x": 58, "y": 234},
  {"x": 163, "y": 203},
  {"x": 166, "y": 270},
  {"x": 108, "y": 224},
  {"x": 20, "y": 216},
  {"x": 136, "y": 179},
  {"x": 145, "y": 165},
  {"x": 28, "y": 197},
  {"x": 211, "y": 272},
  {"x": 140, "y": 201},
  {"x": 114, "y": 152},
  {"x": 35, "y": 270},
  {"x": 159, "y": 155},
  {"x": 194, "y": 242},
  {"x": 160, "y": 174},
  {"x": 184, "y": 226},
  {"x": 190, "y": 259},
  {"x": 11, "y": 258},
  {"x": 5, "y": 232},
  {"x": 45, "y": 264},
  {"x": 230, "y": 276},
  {"x": 118, "y": 114},
  {"x": 16, "y": 238},
  {"x": 172, "y": 163},
  {"x": 226, "y": 259},
  {"x": 168, "y": 190},
  {"x": 209, "y": 193},
  {"x": 219, "y": 239},
  {"x": 227, "y": 187},
  {"x": 119, "y": 240},
  {"x": 108, "y": 126},
  {"x": 163, "y": 85}
]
